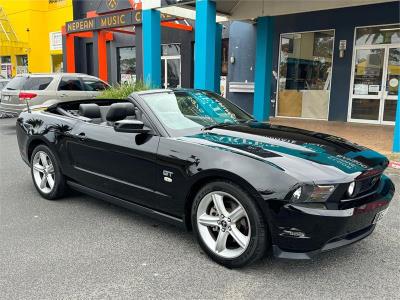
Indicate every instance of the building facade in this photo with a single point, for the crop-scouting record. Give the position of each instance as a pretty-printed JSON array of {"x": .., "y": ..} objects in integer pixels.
[
  {"x": 30, "y": 35},
  {"x": 123, "y": 59},
  {"x": 338, "y": 65}
]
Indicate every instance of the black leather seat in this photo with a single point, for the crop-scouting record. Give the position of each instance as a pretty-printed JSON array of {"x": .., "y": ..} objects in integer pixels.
[
  {"x": 91, "y": 111},
  {"x": 120, "y": 111}
]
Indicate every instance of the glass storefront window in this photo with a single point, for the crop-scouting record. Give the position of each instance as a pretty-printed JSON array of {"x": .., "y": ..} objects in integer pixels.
[
  {"x": 170, "y": 66},
  {"x": 22, "y": 64},
  {"x": 368, "y": 71},
  {"x": 388, "y": 34},
  {"x": 22, "y": 60},
  {"x": 170, "y": 49},
  {"x": 127, "y": 65},
  {"x": 305, "y": 74},
  {"x": 5, "y": 59},
  {"x": 224, "y": 57},
  {"x": 5, "y": 66},
  {"x": 365, "y": 109},
  {"x": 57, "y": 63},
  {"x": 393, "y": 71},
  {"x": 376, "y": 74},
  {"x": 389, "y": 113}
]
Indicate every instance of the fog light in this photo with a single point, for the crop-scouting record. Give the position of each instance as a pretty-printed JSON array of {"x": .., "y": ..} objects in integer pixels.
[
  {"x": 292, "y": 232},
  {"x": 351, "y": 189}
]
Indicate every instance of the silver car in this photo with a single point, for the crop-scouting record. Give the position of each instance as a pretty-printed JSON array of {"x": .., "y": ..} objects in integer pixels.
[
  {"x": 40, "y": 89},
  {"x": 3, "y": 83}
]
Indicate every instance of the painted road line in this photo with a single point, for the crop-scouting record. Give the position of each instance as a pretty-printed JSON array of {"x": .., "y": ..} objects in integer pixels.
[{"x": 394, "y": 164}]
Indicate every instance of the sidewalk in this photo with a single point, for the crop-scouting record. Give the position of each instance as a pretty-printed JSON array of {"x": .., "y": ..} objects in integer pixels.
[{"x": 376, "y": 137}]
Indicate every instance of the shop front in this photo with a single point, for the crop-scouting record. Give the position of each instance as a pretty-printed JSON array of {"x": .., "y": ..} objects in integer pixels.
[
  {"x": 375, "y": 74},
  {"x": 305, "y": 74},
  {"x": 126, "y": 71},
  {"x": 107, "y": 41},
  {"x": 338, "y": 64}
]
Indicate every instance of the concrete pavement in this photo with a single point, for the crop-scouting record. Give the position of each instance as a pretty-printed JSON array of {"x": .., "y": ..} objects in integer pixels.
[
  {"x": 378, "y": 137},
  {"x": 83, "y": 248}
]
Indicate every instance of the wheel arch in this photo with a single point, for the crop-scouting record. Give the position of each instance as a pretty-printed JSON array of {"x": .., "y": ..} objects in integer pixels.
[
  {"x": 32, "y": 145},
  {"x": 215, "y": 175},
  {"x": 40, "y": 141}
]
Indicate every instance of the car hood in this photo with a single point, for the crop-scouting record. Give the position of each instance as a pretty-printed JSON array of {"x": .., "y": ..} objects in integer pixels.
[{"x": 311, "y": 156}]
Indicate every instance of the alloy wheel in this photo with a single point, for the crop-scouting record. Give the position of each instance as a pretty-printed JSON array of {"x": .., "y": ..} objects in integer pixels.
[
  {"x": 223, "y": 224},
  {"x": 43, "y": 172}
]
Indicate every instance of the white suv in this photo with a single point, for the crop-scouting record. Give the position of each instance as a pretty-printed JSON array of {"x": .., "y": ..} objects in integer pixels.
[{"x": 40, "y": 89}]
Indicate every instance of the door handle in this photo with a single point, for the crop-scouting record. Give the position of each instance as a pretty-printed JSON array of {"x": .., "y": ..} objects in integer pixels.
[
  {"x": 63, "y": 95},
  {"x": 81, "y": 136}
]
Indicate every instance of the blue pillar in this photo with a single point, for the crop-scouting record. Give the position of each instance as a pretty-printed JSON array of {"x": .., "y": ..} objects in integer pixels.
[
  {"x": 263, "y": 72},
  {"x": 218, "y": 59},
  {"x": 151, "y": 47},
  {"x": 204, "y": 51},
  {"x": 396, "y": 138}
]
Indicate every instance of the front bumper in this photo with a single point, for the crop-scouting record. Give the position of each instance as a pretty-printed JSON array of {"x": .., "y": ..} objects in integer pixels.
[{"x": 300, "y": 231}]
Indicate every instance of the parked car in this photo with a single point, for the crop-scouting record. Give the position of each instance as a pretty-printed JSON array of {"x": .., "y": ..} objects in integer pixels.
[
  {"x": 195, "y": 159},
  {"x": 39, "y": 88},
  {"x": 3, "y": 83}
]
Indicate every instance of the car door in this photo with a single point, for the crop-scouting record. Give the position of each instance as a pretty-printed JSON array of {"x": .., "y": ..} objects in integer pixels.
[
  {"x": 94, "y": 86},
  {"x": 71, "y": 88},
  {"x": 117, "y": 163}
]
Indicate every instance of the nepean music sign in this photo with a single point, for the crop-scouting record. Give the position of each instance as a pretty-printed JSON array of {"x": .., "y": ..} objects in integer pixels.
[{"x": 122, "y": 19}]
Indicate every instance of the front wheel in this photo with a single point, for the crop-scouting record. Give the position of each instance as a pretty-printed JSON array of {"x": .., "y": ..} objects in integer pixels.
[{"x": 228, "y": 224}]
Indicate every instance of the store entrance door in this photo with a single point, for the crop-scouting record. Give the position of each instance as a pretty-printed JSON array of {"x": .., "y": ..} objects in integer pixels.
[
  {"x": 375, "y": 84},
  {"x": 171, "y": 71}
]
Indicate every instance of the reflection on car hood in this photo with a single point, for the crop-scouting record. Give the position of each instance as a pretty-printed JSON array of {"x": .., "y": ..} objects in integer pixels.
[{"x": 299, "y": 152}]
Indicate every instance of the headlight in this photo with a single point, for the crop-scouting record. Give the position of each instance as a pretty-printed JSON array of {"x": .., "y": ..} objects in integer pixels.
[
  {"x": 351, "y": 189},
  {"x": 312, "y": 193}
]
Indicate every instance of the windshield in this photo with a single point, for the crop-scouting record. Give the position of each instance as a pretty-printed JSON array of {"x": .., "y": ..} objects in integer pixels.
[{"x": 183, "y": 111}]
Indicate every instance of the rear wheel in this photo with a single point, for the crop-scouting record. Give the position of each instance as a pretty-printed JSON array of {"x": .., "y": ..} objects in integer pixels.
[
  {"x": 46, "y": 174},
  {"x": 228, "y": 224}
]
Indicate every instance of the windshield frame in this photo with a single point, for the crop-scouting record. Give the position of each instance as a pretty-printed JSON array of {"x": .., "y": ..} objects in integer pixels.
[{"x": 188, "y": 131}]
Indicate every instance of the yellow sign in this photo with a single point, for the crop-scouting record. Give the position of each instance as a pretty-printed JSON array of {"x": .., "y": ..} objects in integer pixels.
[
  {"x": 81, "y": 25},
  {"x": 112, "y": 4},
  {"x": 118, "y": 20}
]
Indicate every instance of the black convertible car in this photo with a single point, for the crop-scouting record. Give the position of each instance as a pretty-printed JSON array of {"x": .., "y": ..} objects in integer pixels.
[{"x": 193, "y": 158}]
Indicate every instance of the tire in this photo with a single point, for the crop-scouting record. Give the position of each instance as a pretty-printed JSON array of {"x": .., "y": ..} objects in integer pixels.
[
  {"x": 51, "y": 189},
  {"x": 213, "y": 230}
]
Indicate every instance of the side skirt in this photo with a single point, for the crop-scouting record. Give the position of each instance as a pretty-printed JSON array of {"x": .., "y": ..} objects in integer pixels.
[{"x": 127, "y": 204}]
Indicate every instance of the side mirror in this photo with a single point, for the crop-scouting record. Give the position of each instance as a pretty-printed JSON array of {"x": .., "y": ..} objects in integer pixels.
[{"x": 130, "y": 126}]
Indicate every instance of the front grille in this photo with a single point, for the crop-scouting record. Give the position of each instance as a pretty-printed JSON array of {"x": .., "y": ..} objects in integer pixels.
[
  {"x": 364, "y": 191},
  {"x": 366, "y": 185}
]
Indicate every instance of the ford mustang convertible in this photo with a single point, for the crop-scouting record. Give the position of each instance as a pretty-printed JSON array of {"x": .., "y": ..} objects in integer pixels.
[{"x": 195, "y": 159}]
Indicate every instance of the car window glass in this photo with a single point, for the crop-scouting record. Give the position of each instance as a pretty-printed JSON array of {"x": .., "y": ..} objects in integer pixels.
[
  {"x": 182, "y": 110},
  {"x": 70, "y": 84},
  {"x": 92, "y": 84},
  {"x": 16, "y": 83},
  {"x": 140, "y": 115},
  {"x": 37, "y": 83}
]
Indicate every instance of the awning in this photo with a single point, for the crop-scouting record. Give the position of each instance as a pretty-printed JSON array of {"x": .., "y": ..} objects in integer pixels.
[{"x": 251, "y": 9}]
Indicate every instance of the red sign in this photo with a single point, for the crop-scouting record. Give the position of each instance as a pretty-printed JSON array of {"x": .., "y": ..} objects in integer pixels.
[{"x": 136, "y": 4}]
